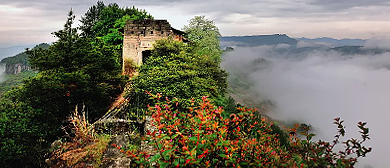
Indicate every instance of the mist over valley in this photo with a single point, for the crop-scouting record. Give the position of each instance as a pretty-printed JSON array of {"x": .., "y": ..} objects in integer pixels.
[{"x": 317, "y": 84}]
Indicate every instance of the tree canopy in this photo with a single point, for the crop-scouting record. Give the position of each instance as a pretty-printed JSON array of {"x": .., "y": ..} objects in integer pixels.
[
  {"x": 176, "y": 70},
  {"x": 73, "y": 71},
  {"x": 107, "y": 22},
  {"x": 205, "y": 35}
]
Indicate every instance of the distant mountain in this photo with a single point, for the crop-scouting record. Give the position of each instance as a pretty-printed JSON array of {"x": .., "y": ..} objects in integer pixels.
[
  {"x": 18, "y": 63},
  {"x": 257, "y": 40},
  {"x": 286, "y": 46},
  {"x": 358, "y": 50},
  {"x": 11, "y": 51},
  {"x": 335, "y": 42}
]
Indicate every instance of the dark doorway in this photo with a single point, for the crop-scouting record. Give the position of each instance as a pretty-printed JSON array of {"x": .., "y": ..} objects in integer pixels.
[{"x": 145, "y": 55}]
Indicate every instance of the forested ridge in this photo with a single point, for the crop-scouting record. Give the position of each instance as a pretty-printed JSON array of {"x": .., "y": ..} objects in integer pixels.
[{"x": 181, "y": 87}]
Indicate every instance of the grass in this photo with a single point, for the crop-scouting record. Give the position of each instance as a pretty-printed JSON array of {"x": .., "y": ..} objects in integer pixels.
[{"x": 86, "y": 148}]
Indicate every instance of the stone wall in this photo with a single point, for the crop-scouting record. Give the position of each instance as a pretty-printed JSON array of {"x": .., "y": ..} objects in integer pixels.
[{"x": 139, "y": 36}]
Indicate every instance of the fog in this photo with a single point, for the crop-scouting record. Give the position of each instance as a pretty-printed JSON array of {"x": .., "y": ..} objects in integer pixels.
[
  {"x": 2, "y": 72},
  {"x": 319, "y": 86}
]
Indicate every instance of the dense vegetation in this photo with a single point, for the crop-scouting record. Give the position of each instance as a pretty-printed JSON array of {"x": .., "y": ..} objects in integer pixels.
[
  {"x": 14, "y": 81},
  {"x": 176, "y": 70},
  {"x": 202, "y": 137},
  {"x": 205, "y": 35},
  {"x": 82, "y": 70},
  {"x": 79, "y": 69}
]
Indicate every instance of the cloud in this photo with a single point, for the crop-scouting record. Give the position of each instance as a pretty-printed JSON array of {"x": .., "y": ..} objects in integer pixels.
[
  {"x": 378, "y": 42},
  {"x": 282, "y": 46},
  {"x": 347, "y": 4},
  {"x": 2, "y": 72},
  {"x": 319, "y": 86},
  {"x": 297, "y": 18}
]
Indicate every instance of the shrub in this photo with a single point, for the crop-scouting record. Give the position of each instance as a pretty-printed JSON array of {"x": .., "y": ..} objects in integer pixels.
[
  {"x": 202, "y": 137},
  {"x": 86, "y": 147}
]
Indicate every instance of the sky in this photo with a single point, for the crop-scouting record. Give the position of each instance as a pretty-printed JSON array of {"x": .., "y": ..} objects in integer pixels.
[{"x": 26, "y": 22}]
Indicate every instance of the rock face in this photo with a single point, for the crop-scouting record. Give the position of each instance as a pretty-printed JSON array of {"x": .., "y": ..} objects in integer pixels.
[{"x": 16, "y": 68}]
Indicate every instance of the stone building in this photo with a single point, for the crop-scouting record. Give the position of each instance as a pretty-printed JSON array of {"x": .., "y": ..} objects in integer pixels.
[{"x": 139, "y": 36}]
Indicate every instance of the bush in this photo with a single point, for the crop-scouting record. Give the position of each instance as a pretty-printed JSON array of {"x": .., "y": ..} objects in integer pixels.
[
  {"x": 175, "y": 69},
  {"x": 202, "y": 137},
  {"x": 86, "y": 147}
]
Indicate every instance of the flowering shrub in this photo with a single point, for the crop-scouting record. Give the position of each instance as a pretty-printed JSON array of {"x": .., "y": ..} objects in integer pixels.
[
  {"x": 319, "y": 154},
  {"x": 201, "y": 137}
]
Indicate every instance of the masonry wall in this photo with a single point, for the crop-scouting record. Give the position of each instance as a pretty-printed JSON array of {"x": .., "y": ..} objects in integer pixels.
[{"x": 139, "y": 36}]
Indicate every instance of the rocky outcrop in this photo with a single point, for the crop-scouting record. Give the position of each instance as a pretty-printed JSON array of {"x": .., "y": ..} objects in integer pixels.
[
  {"x": 16, "y": 68},
  {"x": 112, "y": 157}
]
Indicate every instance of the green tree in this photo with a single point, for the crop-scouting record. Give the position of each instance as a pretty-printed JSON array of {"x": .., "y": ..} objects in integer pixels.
[
  {"x": 107, "y": 23},
  {"x": 90, "y": 18},
  {"x": 22, "y": 134},
  {"x": 176, "y": 70},
  {"x": 74, "y": 70},
  {"x": 101, "y": 20},
  {"x": 78, "y": 69},
  {"x": 205, "y": 35}
]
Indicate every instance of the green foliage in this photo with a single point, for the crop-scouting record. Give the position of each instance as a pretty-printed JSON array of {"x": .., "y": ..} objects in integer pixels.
[
  {"x": 74, "y": 70},
  {"x": 321, "y": 153},
  {"x": 22, "y": 134},
  {"x": 78, "y": 69},
  {"x": 205, "y": 35},
  {"x": 107, "y": 23},
  {"x": 101, "y": 20},
  {"x": 13, "y": 81},
  {"x": 202, "y": 137},
  {"x": 90, "y": 18},
  {"x": 176, "y": 70}
]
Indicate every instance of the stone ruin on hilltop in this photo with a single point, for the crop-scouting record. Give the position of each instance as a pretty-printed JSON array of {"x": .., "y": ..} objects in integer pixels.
[{"x": 139, "y": 37}]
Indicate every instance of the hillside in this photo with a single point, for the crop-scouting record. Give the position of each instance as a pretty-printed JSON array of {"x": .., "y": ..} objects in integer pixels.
[
  {"x": 18, "y": 63},
  {"x": 359, "y": 50},
  {"x": 334, "y": 42},
  {"x": 283, "y": 45},
  {"x": 14, "y": 80},
  {"x": 10, "y": 51},
  {"x": 257, "y": 40},
  {"x": 17, "y": 69}
]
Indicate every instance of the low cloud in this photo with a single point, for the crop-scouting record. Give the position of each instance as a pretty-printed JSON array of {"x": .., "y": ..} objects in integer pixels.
[
  {"x": 2, "y": 72},
  {"x": 282, "y": 46},
  {"x": 319, "y": 86},
  {"x": 378, "y": 42}
]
